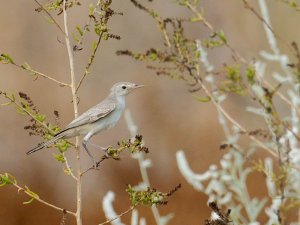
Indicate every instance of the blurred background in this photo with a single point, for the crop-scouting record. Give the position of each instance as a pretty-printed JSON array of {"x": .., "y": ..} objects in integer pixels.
[{"x": 164, "y": 111}]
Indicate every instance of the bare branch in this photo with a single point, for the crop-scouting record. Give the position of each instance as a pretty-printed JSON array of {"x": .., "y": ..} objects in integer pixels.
[
  {"x": 118, "y": 216},
  {"x": 75, "y": 106}
]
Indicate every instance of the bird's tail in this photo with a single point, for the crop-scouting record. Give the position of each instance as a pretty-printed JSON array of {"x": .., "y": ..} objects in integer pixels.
[{"x": 46, "y": 144}]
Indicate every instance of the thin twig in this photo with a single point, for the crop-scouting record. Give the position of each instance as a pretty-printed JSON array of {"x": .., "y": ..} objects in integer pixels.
[
  {"x": 248, "y": 6},
  {"x": 43, "y": 201},
  {"x": 34, "y": 72},
  {"x": 69, "y": 167},
  {"x": 91, "y": 60},
  {"x": 210, "y": 27},
  {"x": 63, "y": 84},
  {"x": 226, "y": 114},
  {"x": 75, "y": 106},
  {"x": 26, "y": 111},
  {"x": 118, "y": 216},
  {"x": 51, "y": 17},
  {"x": 104, "y": 157}
]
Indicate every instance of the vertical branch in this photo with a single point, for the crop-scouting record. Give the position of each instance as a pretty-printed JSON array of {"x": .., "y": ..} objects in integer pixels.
[{"x": 75, "y": 106}]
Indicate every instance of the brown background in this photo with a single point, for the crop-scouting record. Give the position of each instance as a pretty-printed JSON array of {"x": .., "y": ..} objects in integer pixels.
[{"x": 166, "y": 114}]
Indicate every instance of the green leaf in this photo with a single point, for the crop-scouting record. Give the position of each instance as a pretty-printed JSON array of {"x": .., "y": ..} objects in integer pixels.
[
  {"x": 195, "y": 19},
  {"x": 250, "y": 74},
  {"x": 91, "y": 9},
  {"x": 26, "y": 66},
  {"x": 202, "y": 99},
  {"x": 28, "y": 202},
  {"x": 59, "y": 158},
  {"x": 6, "y": 103},
  {"x": 31, "y": 193},
  {"x": 40, "y": 117},
  {"x": 79, "y": 30},
  {"x": 75, "y": 37},
  {"x": 94, "y": 46},
  {"x": 6, "y": 179},
  {"x": 6, "y": 59},
  {"x": 221, "y": 35}
]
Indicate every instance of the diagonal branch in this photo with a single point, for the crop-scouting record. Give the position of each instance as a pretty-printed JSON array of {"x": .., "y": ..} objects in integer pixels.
[
  {"x": 50, "y": 16},
  {"x": 42, "y": 201},
  {"x": 118, "y": 216},
  {"x": 91, "y": 60}
]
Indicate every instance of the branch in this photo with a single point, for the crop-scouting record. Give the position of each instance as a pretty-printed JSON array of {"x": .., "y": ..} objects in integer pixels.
[
  {"x": 91, "y": 60},
  {"x": 25, "y": 110},
  {"x": 210, "y": 27},
  {"x": 50, "y": 16},
  {"x": 26, "y": 67},
  {"x": 265, "y": 22},
  {"x": 69, "y": 167},
  {"x": 75, "y": 106},
  {"x": 118, "y": 216},
  {"x": 43, "y": 201},
  {"x": 234, "y": 122}
]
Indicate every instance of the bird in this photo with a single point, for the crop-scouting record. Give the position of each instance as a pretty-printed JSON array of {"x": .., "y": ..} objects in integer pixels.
[{"x": 100, "y": 117}]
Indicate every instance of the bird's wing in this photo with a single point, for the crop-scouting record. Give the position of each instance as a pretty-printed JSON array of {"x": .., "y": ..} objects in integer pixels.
[{"x": 93, "y": 114}]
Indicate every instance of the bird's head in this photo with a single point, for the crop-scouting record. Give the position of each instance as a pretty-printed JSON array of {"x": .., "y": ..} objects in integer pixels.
[{"x": 124, "y": 88}]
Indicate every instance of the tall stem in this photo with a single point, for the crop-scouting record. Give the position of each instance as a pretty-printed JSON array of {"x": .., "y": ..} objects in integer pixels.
[{"x": 75, "y": 106}]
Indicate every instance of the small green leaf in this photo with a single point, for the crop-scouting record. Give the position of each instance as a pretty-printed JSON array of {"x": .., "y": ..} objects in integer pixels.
[
  {"x": 31, "y": 193},
  {"x": 28, "y": 202},
  {"x": 94, "y": 46},
  {"x": 79, "y": 30},
  {"x": 25, "y": 66},
  {"x": 6, "y": 103},
  {"x": 59, "y": 158},
  {"x": 250, "y": 74},
  {"x": 6, "y": 59},
  {"x": 202, "y": 99},
  {"x": 221, "y": 35},
  {"x": 91, "y": 9},
  {"x": 40, "y": 117},
  {"x": 195, "y": 19},
  {"x": 75, "y": 37}
]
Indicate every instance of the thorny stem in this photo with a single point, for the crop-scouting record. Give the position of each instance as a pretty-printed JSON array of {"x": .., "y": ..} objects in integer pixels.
[
  {"x": 118, "y": 216},
  {"x": 43, "y": 201},
  {"x": 50, "y": 16},
  {"x": 75, "y": 106}
]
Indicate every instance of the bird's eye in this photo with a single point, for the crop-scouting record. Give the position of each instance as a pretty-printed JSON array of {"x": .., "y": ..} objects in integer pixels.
[{"x": 124, "y": 87}]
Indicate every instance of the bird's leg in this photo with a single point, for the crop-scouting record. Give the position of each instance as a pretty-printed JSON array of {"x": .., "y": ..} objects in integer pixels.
[
  {"x": 84, "y": 144},
  {"x": 98, "y": 146}
]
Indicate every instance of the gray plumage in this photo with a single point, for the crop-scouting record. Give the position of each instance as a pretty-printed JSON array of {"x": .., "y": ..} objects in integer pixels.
[{"x": 98, "y": 118}]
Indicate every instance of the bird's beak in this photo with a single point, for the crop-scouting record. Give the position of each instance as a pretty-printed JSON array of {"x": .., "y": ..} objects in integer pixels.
[{"x": 138, "y": 86}]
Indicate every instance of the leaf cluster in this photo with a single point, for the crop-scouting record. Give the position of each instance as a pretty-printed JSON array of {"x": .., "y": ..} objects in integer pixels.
[
  {"x": 132, "y": 145},
  {"x": 150, "y": 196}
]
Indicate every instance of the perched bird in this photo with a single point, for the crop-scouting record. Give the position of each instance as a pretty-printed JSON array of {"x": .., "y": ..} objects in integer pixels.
[{"x": 100, "y": 117}]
